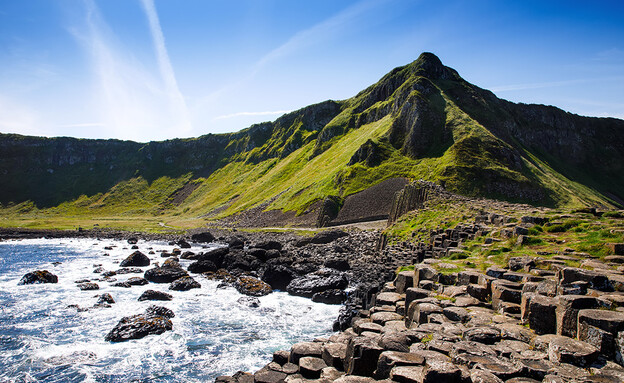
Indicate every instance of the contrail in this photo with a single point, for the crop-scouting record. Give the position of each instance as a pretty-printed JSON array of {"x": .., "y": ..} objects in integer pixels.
[{"x": 164, "y": 63}]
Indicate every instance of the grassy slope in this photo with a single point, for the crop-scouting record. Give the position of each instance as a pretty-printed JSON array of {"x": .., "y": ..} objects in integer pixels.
[
  {"x": 318, "y": 168},
  {"x": 584, "y": 234}
]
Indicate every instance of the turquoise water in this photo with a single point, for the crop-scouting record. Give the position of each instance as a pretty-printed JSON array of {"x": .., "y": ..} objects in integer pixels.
[{"x": 45, "y": 338}]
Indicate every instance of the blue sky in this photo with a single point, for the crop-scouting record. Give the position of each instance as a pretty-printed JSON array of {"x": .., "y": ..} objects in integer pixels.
[{"x": 156, "y": 69}]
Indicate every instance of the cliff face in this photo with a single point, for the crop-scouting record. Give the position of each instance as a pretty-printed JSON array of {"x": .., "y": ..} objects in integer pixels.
[{"x": 421, "y": 120}]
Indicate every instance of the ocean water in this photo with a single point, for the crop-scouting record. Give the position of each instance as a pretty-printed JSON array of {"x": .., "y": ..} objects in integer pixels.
[{"x": 44, "y": 339}]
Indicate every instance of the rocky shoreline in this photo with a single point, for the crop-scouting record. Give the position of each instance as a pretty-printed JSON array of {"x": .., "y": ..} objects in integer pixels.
[
  {"x": 533, "y": 319},
  {"x": 537, "y": 319},
  {"x": 333, "y": 267}
]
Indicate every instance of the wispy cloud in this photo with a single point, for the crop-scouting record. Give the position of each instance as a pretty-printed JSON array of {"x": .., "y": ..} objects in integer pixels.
[
  {"x": 326, "y": 29},
  {"x": 135, "y": 100},
  {"x": 166, "y": 69},
  {"x": 323, "y": 30},
  {"x": 246, "y": 114}
]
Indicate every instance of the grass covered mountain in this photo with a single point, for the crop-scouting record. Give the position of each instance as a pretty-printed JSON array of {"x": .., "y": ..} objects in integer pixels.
[{"x": 420, "y": 121}]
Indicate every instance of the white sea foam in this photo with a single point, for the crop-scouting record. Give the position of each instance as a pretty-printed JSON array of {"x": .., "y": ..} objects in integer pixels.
[{"x": 212, "y": 333}]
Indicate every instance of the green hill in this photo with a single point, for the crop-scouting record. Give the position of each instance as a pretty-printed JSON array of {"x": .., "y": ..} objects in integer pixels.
[{"x": 420, "y": 121}]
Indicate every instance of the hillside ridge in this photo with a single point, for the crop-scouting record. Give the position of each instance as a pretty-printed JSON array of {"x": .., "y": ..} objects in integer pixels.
[{"x": 420, "y": 121}]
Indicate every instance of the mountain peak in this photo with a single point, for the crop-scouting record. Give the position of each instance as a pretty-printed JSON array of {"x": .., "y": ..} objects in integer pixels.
[{"x": 429, "y": 65}]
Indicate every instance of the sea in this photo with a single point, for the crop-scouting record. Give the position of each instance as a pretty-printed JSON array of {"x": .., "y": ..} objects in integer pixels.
[{"x": 53, "y": 332}]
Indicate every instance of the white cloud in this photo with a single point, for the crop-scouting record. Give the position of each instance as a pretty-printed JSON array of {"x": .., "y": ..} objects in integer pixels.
[
  {"x": 131, "y": 99},
  {"x": 164, "y": 63},
  {"x": 326, "y": 29},
  {"x": 320, "y": 31}
]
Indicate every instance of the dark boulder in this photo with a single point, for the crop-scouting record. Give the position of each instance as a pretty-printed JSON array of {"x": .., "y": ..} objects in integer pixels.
[
  {"x": 159, "y": 311},
  {"x": 171, "y": 262},
  {"x": 340, "y": 264},
  {"x": 327, "y": 236},
  {"x": 204, "y": 237},
  {"x": 310, "y": 284},
  {"x": 137, "y": 281},
  {"x": 237, "y": 261},
  {"x": 133, "y": 240},
  {"x": 86, "y": 286},
  {"x": 202, "y": 266},
  {"x": 278, "y": 276},
  {"x": 269, "y": 245},
  {"x": 106, "y": 298},
  {"x": 155, "y": 320},
  {"x": 153, "y": 295},
  {"x": 135, "y": 259},
  {"x": 38, "y": 276},
  {"x": 305, "y": 267},
  {"x": 273, "y": 253},
  {"x": 252, "y": 286},
  {"x": 164, "y": 274},
  {"x": 184, "y": 284},
  {"x": 129, "y": 270},
  {"x": 185, "y": 255},
  {"x": 236, "y": 243},
  {"x": 330, "y": 297},
  {"x": 183, "y": 244},
  {"x": 214, "y": 255},
  {"x": 256, "y": 252}
]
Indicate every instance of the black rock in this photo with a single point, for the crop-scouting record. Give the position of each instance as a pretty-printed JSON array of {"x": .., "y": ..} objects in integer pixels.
[
  {"x": 256, "y": 252},
  {"x": 38, "y": 276},
  {"x": 269, "y": 245},
  {"x": 164, "y": 274},
  {"x": 204, "y": 237},
  {"x": 105, "y": 298},
  {"x": 135, "y": 259},
  {"x": 236, "y": 243},
  {"x": 214, "y": 255},
  {"x": 237, "y": 261},
  {"x": 172, "y": 262},
  {"x": 252, "y": 286},
  {"x": 310, "y": 284},
  {"x": 183, "y": 244},
  {"x": 185, "y": 255},
  {"x": 278, "y": 276},
  {"x": 125, "y": 285},
  {"x": 338, "y": 264},
  {"x": 153, "y": 295},
  {"x": 88, "y": 286},
  {"x": 133, "y": 241},
  {"x": 154, "y": 310},
  {"x": 137, "y": 281},
  {"x": 331, "y": 297},
  {"x": 129, "y": 270},
  {"x": 155, "y": 320},
  {"x": 202, "y": 266},
  {"x": 184, "y": 284},
  {"x": 328, "y": 236}
]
